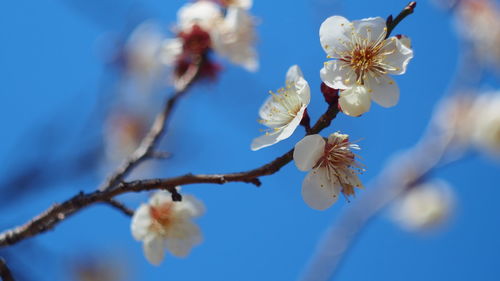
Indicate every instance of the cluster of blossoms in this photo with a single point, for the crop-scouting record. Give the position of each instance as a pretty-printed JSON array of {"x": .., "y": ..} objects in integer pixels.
[
  {"x": 225, "y": 27},
  {"x": 363, "y": 59},
  {"x": 477, "y": 23},
  {"x": 163, "y": 223},
  {"x": 470, "y": 120}
]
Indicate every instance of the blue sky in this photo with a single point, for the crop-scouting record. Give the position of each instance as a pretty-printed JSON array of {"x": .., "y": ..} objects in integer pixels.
[{"x": 52, "y": 73}]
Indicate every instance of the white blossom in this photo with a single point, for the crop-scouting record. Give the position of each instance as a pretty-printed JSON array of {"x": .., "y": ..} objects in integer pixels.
[
  {"x": 164, "y": 224},
  {"x": 283, "y": 111},
  {"x": 206, "y": 14},
  {"x": 486, "y": 123},
  {"x": 425, "y": 206},
  {"x": 234, "y": 37},
  {"x": 245, "y": 4},
  {"x": 332, "y": 168},
  {"x": 142, "y": 49},
  {"x": 363, "y": 58}
]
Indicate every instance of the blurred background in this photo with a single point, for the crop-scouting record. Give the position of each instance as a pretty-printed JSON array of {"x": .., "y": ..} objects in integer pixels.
[{"x": 74, "y": 104}]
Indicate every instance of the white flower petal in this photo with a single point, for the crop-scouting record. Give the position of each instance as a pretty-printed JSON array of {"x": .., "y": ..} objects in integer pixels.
[
  {"x": 160, "y": 197},
  {"x": 337, "y": 76},
  {"x": 186, "y": 237},
  {"x": 154, "y": 249},
  {"x": 293, "y": 74},
  {"x": 308, "y": 151},
  {"x": 245, "y": 4},
  {"x": 234, "y": 38},
  {"x": 354, "y": 101},
  {"x": 190, "y": 206},
  {"x": 303, "y": 91},
  {"x": 280, "y": 134},
  {"x": 141, "y": 222},
  {"x": 318, "y": 191},
  {"x": 333, "y": 32},
  {"x": 203, "y": 13},
  {"x": 399, "y": 57},
  {"x": 385, "y": 91},
  {"x": 371, "y": 29},
  {"x": 170, "y": 51}
]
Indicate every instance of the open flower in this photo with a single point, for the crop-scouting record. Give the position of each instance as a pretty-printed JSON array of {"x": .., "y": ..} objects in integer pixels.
[
  {"x": 283, "y": 111},
  {"x": 425, "y": 206},
  {"x": 205, "y": 14},
  {"x": 333, "y": 168},
  {"x": 363, "y": 58},
  {"x": 234, "y": 38},
  {"x": 163, "y": 223}
]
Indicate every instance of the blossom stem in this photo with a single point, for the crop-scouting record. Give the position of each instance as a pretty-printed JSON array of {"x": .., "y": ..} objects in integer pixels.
[{"x": 392, "y": 23}]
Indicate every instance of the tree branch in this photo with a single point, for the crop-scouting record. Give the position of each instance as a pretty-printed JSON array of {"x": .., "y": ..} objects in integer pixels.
[
  {"x": 392, "y": 23},
  {"x": 152, "y": 138},
  {"x": 120, "y": 207},
  {"x": 5, "y": 271},
  {"x": 58, "y": 212}
]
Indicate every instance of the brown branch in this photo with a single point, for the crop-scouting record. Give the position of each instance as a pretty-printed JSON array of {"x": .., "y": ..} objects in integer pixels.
[
  {"x": 5, "y": 272},
  {"x": 152, "y": 138},
  {"x": 392, "y": 23},
  {"x": 120, "y": 207},
  {"x": 58, "y": 212}
]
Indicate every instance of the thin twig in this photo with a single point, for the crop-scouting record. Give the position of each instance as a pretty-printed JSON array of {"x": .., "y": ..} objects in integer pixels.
[
  {"x": 392, "y": 23},
  {"x": 120, "y": 206},
  {"x": 5, "y": 272},
  {"x": 152, "y": 138},
  {"x": 58, "y": 212}
]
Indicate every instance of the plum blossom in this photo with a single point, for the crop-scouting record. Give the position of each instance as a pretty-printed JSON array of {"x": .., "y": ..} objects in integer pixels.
[
  {"x": 332, "y": 168},
  {"x": 283, "y": 111},
  {"x": 165, "y": 224},
  {"x": 148, "y": 51},
  {"x": 234, "y": 38},
  {"x": 363, "y": 58},
  {"x": 486, "y": 123},
  {"x": 230, "y": 34},
  {"x": 205, "y": 14},
  {"x": 245, "y": 4},
  {"x": 425, "y": 206}
]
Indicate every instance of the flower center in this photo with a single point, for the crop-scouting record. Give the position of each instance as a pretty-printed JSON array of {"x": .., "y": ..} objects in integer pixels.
[
  {"x": 161, "y": 215},
  {"x": 284, "y": 107},
  {"x": 366, "y": 56}
]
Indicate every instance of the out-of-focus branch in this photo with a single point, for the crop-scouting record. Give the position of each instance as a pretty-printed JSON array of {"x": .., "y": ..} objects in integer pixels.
[
  {"x": 58, "y": 212},
  {"x": 403, "y": 173},
  {"x": 148, "y": 144},
  {"x": 5, "y": 271}
]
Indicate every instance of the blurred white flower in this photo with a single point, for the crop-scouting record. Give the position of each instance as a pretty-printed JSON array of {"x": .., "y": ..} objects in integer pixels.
[
  {"x": 333, "y": 168},
  {"x": 206, "y": 14},
  {"x": 234, "y": 37},
  {"x": 486, "y": 123},
  {"x": 164, "y": 224},
  {"x": 123, "y": 133},
  {"x": 245, "y": 4},
  {"x": 363, "y": 60},
  {"x": 142, "y": 49},
  {"x": 477, "y": 21},
  {"x": 283, "y": 111},
  {"x": 170, "y": 50},
  {"x": 424, "y": 206}
]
